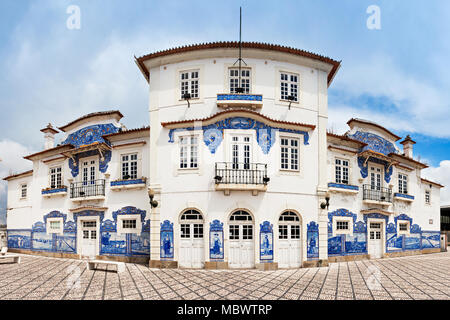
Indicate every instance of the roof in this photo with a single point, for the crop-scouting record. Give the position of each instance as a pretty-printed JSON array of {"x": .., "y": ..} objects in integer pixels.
[
  {"x": 49, "y": 150},
  {"x": 396, "y": 137},
  {"x": 18, "y": 175},
  {"x": 234, "y": 44},
  {"x": 421, "y": 164},
  {"x": 246, "y": 111},
  {"x": 346, "y": 138},
  {"x": 90, "y": 115},
  {"x": 127, "y": 131},
  {"x": 432, "y": 182}
]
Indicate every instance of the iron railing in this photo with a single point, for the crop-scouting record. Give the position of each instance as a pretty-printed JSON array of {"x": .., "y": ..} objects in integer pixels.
[
  {"x": 377, "y": 193},
  {"x": 241, "y": 173},
  {"x": 87, "y": 189}
]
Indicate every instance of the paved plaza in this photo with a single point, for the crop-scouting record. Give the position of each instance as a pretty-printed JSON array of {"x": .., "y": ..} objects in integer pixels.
[{"x": 414, "y": 277}]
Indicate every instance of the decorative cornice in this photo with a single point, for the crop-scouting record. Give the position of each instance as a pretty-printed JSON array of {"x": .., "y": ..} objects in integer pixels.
[
  {"x": 393, "y": 135},
  {"x": 117, "y": 113}
]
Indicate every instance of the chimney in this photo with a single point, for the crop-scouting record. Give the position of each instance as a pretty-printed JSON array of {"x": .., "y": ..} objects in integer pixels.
[
  {"x": 408, "y": 146},
  {"x": 49, "y": 135}
]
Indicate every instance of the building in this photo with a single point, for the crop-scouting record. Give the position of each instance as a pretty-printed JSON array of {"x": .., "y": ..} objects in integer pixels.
[{"x": 239, "y": 169}]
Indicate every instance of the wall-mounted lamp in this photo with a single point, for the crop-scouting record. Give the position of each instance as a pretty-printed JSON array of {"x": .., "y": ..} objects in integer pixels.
[
  {"x": 326, "y": 204},
  {"x": 218, "y": 179},
  {"x": 290, "y": 98},
  {"x": 153, "y": 203},
  {"x": 186, "y": 97}
]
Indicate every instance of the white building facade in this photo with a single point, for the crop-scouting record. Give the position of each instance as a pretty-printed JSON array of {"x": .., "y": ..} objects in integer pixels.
[{"x": 238, "y": 167}]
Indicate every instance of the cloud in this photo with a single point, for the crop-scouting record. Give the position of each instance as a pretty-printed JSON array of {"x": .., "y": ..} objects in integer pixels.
[
  {"x": 440, "y": 174},
  {"x": 12, "y": 161},
  {"x": 415, "y": 104}
]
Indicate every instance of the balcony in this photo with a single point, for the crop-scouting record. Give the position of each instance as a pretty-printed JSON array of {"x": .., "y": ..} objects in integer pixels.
[
  {"x": 342, "y": 187},
  {"x": 403, "y": 197},
  {"x": 128, "y": 184},
  {"x": 377, "y": 195},
  {"x": 241, "y": 176},
  {"x": 54, "y": 191},
  {"x": 226, "y": 100},
  {"x": 89, "y": 190}
]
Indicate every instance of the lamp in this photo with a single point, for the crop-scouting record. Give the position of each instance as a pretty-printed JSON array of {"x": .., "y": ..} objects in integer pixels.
[
  {"x": 153, "y": 203},
  {"x": 290, "y": 98},
  {"x": 266, "y": 179},
  {"x": 326, "y": 204},
  {"x": 218, "y": 178},
  {"x": 186, "y": 97}
]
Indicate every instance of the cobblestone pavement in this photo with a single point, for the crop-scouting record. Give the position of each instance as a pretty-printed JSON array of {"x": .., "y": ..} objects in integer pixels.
[{"x": 415, "y": 277}]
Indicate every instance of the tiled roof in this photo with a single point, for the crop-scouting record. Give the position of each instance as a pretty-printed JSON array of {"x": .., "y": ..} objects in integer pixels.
[
  {"x": 93, "y": 114},
  {"x": 435, "y": 183},
  {"x": 18, "y": 175},
  {"x": 127, "y": 131},
  {"x": 344, "y": 137},
  {"x": 235, "y": 44},
  {"x": 403, "y": 157},
  {"x": 49, "y": 150},
  {"x": 164, "y": 124}
]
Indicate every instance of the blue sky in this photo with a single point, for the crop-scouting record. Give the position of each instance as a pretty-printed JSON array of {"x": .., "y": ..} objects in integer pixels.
[{"x": 396, "y": 76}]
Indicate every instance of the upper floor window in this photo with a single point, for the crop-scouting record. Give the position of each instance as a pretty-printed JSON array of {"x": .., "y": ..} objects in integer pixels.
[
  {"x": 234, "y": 80},
  {"x": 189, "y": 83},
  {"x": 129, "y": 224},
  {"x": 427, "y": 197},
  {"x": 23, "y": 191},
  {"x": 130, "y": 166},
  {"x": 341, "y": 225},
  {"x": 55, "y": 225},
  {"x": 289, "y": 86},
  {"x": 290, "y": 154},
  {"x": 55, "y": 177},
  {"x": 188, "y": 152},
  {"x": 341, "y": 171},
  {"x": 402, "y": 183}
]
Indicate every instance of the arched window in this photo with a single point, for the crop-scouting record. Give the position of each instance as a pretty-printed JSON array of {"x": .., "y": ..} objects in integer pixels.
[
  {"x": 289, "y": 216},
  {"x": 191, "y": 214},
  {"x": 241, "y": 216}
]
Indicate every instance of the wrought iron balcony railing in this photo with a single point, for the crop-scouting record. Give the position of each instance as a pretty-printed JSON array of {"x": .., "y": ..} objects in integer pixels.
[
  {"x": 377, "y": 193},
  {"x": 87, "y": 189},
  {"x": 241, "y": 173}
]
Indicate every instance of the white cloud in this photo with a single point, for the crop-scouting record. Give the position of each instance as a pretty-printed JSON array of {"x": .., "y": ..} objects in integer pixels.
[
  {"x": 12, "y": 161},
  {"x": 419, "y": 105},
  {"x": 440, "y": 174}
]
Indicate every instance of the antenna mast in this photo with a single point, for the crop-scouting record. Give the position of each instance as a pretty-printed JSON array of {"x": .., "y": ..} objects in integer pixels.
[{"x": 240, "y": 89}]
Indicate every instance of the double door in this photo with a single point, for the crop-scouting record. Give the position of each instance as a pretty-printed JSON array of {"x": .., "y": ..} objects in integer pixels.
[
  {"x": 375, "y": 242},
  {"x": 89, "y": 238},
  {"x": 191, "y": 245},
  {"x": 289, "y": 243},
  {"x": 241, "y": 246}
]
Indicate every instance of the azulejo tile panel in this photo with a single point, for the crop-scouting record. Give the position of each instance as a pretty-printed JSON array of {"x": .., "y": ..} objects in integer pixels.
[
  {"x": 312, "y": 238},
  {"x": 265, "y": 134},
  {"x": 374, "y": 142},
  {"x": 216, "y": 240},
  {"x": 91, "y": 134},
  {"x": 103, "y": 164},
  {"x": 266, "y": 241}
]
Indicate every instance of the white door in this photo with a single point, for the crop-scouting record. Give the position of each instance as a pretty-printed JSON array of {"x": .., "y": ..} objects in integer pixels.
[
  {"x": 88, "y": 178},
  {"x": 241, "y": 240},
  {"x": 375, "y": 239},
  {"x": 191, "y": 240},
  {"x": 89, "y": 238},
  {"x": 375, "y": 178},
  {"x": 289, "y": 241}
]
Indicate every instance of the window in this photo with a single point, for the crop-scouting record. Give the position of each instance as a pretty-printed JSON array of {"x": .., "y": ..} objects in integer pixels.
[
  {"x": 189, "y": 83},
  {"x": 403, "y": 227},
  {"x": 129, "y": 166},
  {"x": 247, "y": 232},
  {"x": 234, "y": 232},
  {"x": 55, "y": 225},
  {"x": 188, "y": 152},
  {"x": 55, "y": 177},
  {"x": 290, "y": 154},
  {"x": 341, "y": 225},
  {"x": 89, "y": 224},
  {"x": 241, "y": 215},
  {"x": 341, "y": 171},
  {"x": 23, "y": 191},
  {"x": 427, "y": 197},
  {"x": 289, "y": 86},
  {"x": 129, "y": 224},
  {"x": 282, "y": 232},
  {"x": 234, "y": 79},
  {"x": 403, "y": 183}
]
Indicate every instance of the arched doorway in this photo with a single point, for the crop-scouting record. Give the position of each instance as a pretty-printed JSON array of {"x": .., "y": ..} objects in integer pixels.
[
  {"x": 289, "y": 240},
  {"x": 241, "y": 240},
  {"x": 191, "y": 254}
]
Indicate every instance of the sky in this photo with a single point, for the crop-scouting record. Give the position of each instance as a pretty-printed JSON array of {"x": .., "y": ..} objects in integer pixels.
[{"x": 396, "y": 75}]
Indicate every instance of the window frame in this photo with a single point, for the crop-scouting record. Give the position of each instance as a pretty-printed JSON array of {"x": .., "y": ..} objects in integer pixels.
[
  {"x": 189, "y": 151},
  {"x": 21, "y": 191},
  {"x": 428, "y": 197},
  {"x": 401, "y": 183},
  {"x": 50, "y": 174},
  {"x": 290, "y": 83},
  {"x": 121, "y": 229},
  {"x": 341, "y": 166},
  {"x": 289, "y": 153},
  {"x": 138, "y": 164},
  {"x": 249, "y": 78},
  {"x": 337, "y": 231},
  {"x": 189, "y": 80},
  {"x": 51, "y": 230}
]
